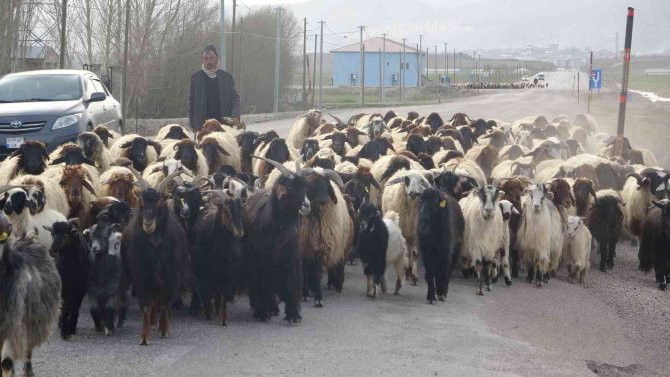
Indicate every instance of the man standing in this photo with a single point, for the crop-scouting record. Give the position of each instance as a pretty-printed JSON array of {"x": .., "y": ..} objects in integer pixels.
[{"x": 212, "y": 93}]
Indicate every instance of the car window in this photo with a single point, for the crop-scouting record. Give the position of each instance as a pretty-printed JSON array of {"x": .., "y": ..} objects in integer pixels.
[
  {"x": 30, "y": 88},
  {"x": 90, "y": 87},
  {"x": 98, "y": 86}
]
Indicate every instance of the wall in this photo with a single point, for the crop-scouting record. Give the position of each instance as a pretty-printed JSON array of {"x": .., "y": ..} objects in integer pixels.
[{"x": 346, "y": 63}]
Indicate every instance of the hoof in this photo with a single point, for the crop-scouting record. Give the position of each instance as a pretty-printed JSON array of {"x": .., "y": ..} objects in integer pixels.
[
  {"x": 305, "y": 299},
  {"x": 479, "y": 292},
  {"x": 414, "y": 280},
  {"x": 508, "y": 282},
  {"x": 441, "y": 298},
  {"x": 539, "y": 284},
  {"x": 223, "y": 323},
  {"x": 318, "y": 303},
  {"x": 293, "y": 318},
  {"x": 371, "y": 295},
  {"x": 143, "y": 342},
  {"x": 661, "y": 286},
  {"x": 396, "y": 292},
  {"x": 494, "y": 280},
  {"x": 431, "y": 301},
  {"x": 488, "y": 288},
  {"x": 108, "y": 332},
  {"x": 338, "y": 290}
]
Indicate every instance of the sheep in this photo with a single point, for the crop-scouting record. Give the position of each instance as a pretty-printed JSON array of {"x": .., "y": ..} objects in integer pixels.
[
  {"x": 513, "y": 189},
  {"x": 483, "y": 234},
  {"x": 466, "y": 167},
  {"x": 137, "y": 149},
  {"x": 30, "y": 158},
  {"x": 271, "y": 224},
  {"x": 95, "y": 149},
  {"x": 502, "y": 255},
  {"x": 586, "y": 122},
  {"x": 71, "y": 253},
  {"x": 104, "y": 278},
  {"x": 583, "y": 191},
  {"x": 29, "y": 298},
  {"x": 605, "y": 222},
  {"x": 534, "y": 237},
  {"x": 373, "y": 124},
  {"x": 46, "y": 192},
  {"x": 338, "y": 141},
  {"x": 276, "y": 150},
  {"x": 74, "y": 180},
  {"x": 380, "y": 245},
  {"x": 638, "y": 192},
  {"x": 512, "y": 152},
  {"x": 577, "y": 249},
  {"x": 434, "y": 120},
  {"x": 303, "y": 128},
  {"x": 119, "y": 182},
  {"x": 108, "y": 210},
  {"x": 70, "y": 154},
  {"x": 20, "y": 209},
  {"x": 508, "y": 169},
  {"x": 246, "y": 140},
  {"x": 217, "y": 250},
  {"x": 400, "y": 195},
  {"x": 460, "y": 119},
  {"x": 655, "y": 242},
  {"x": 105, "y": 134},
  {"x": 190, "y": 155},
  {"x": 174, "y": 132},
  {"x": 439, "y": 232},
  {"x": 325, "y": 158},
  {"x": 154, "y": 251}
]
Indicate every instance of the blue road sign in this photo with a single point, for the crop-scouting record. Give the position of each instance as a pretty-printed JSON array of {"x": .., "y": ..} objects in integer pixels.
[{"x": 596, "y": 81}]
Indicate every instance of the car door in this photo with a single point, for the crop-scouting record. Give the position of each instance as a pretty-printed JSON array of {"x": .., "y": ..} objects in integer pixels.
[
  {"x": 112, "y": 108},
  {"x": 95, "y": 110},
  {"x": 107, "y": 118}
]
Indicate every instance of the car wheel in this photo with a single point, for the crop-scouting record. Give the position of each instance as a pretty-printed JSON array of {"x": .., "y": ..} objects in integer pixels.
[{"x": 89, "y": 127}]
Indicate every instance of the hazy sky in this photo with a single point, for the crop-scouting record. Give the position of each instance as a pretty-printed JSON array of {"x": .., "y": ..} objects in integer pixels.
[{"x": 476, "y": 24}]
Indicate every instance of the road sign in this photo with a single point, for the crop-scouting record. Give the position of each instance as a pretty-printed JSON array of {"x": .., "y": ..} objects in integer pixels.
[{"x": 596, "y": 79}]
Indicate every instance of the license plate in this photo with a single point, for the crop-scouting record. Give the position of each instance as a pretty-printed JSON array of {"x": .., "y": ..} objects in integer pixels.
[{"x": 14, "y": 142}]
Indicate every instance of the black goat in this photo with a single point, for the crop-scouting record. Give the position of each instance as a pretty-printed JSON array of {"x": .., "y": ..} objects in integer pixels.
[
  {"x": 439, "y": 237},
  {"x": 71, "y": 253},
  {"x": 104, "y": 276},
  {"x": 455, "y": 185},
  {"x": 154, "y": 252},
  {"x": 374, "y": 149},
  {"x": 605, "y": 221},
  {"x": 416, "y": 144},
  {"x": 655, "y": 243},
  {"x": 217, "y": 251},
  {"x": 309, "y": 149},
  {"x": 272, "y": 262}
]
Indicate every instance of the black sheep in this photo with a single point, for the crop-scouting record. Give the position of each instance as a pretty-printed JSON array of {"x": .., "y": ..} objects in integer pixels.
[
  {"x": 416, "y": 144},
  {"x": 246, "y": 140},
  {"x": 272, "y": 262},
  {"x": 605, "y": 221},
  {"x": 655, "y": 243},
  {"x": 71, "y": 253},
  {"x": 439, "y": 237}
]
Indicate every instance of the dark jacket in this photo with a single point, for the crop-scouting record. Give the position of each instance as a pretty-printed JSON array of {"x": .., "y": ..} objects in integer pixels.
[{"x": 197, "y": 101}]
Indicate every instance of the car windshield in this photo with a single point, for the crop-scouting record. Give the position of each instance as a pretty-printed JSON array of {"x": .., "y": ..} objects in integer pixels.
[{"x": 31, "y": 88}]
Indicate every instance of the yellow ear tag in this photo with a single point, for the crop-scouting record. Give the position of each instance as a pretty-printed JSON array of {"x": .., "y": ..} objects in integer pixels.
[
  {"x": 4, "y": 236},
  {"x": 443, "y": 204}
]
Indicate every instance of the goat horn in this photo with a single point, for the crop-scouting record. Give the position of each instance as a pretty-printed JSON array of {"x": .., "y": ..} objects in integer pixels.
[
  {"x": 333, "y": 176},
  {"x": 636, "y": 176},
  {"x": 592, "y": 191},
  {"x": 284, "y": 171},
  {"x": 140, "y": 181},
  {"x": 338, "y": 120},
  {"x": 163, "y": 184},
  {"x": 298, "y": 164}
]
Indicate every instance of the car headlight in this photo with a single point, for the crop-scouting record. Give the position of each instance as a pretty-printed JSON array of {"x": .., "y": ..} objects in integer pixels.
[{"x": 66, "y": 121}]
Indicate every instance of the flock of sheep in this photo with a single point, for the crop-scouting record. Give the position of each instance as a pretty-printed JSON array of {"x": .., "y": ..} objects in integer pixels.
[{"x": 225, "y": 211}]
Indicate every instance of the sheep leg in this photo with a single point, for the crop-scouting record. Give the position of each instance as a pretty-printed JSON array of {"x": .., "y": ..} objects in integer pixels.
[
  {"x": 305, "y": 282},
  {"x": 122, "y": 299},
  {"x": 604, "y": 249},
  {"x": 316, "y": 272},
  {"x": 488, "y": 271},
  {"x": 108, "y": 319},
  {"x": 659, "y": 270},
  {"x": 206, "y": 295},
  {"x": 539, "y": 277},
  {"x": 415, "y": 267},
  {"x": 147, "y": 309},
  {"x": 430, "y": 280},
  {"x": 338, "y": 276},
  {"x": 581, "y": 275},
  {"x": 154, "y": 315},
  {"x": 164, "y": 320},
  {"x": 441, "y": 282},
  {"x": 223, "y": 312},
  {"x": 478, "y": 278},
  {"x": 399, "y": 269},
  {"x": 371, "y": 286},
  {"x": 612, "y": 254},
  {"x": 382, "y": 282},
  {"x": 28, "y": 365},
  {"x": 97, "y": 318},
  {"x": 571, "y": 273},
  {"x": 7, "y": 362}
]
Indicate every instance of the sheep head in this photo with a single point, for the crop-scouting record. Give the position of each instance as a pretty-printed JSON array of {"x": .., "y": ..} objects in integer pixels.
[
  {"x": 176, "y": 132},
  {"x": 340, "y": 140},
  {"x": 74, "y": 179},
  {"x": 32, "y": 157},
  {"x": 319, "y": 190},
  {"x": 104, "y": 134},
  {"x": 582, "y": 188},
  {"x": 90, "y": 143},
  {"x": 573, "y": 223},
  {"x": 138, "y": 151},
  {"x": 376, "y": 127},
  {"x": 230, "y": 211},
  {"x": 309, "y": 148},
  {"x": 415, "y": 183},
  {"x": 72, "y": 154},
  {"x": 489, "y": 196},
  {"x": 186, "y": 153},
  {"x": 121, "y": 186}
]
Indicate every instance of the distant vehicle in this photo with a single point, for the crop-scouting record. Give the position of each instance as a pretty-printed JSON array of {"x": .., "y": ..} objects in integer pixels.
[
  {"x": 53, "y": 106},
  {"x": 540, "y": 76},
  {"x": 525, "y": 78}
]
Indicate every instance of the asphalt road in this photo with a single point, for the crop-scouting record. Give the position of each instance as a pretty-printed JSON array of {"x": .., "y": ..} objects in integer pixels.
[{"x": 616, "y": 324}]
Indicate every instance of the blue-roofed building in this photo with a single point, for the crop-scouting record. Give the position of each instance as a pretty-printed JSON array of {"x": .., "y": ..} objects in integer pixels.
[{"x": 346, "y": 64}]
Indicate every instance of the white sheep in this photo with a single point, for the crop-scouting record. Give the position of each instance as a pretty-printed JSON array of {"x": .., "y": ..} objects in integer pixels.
[
  {"x": 401, "y": 195},
  {"x": 219, "y": 150},
  {"x": 577, "y": 249},
  {"x": 174, "y": 131},
  {"x": 49, "y": 186},
  {"x": 483, "y": 235},
  {"x": 303, "y": 128}
]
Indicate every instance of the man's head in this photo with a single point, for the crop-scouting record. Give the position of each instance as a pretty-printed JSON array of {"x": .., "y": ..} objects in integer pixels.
[{"x": 210, "y": 58}]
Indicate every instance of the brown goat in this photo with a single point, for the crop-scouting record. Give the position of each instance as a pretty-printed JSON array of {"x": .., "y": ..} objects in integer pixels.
[
  {"x": 513, "y": 189},
  {"x": 563, "y": 198},
  {"x": 583, "y": 190},
  {"x": 586, "y": 171},
  {"x": 121, "y": 185},
  {"x": 488, "y": 159},
  {"x": 74, "y": 180}
]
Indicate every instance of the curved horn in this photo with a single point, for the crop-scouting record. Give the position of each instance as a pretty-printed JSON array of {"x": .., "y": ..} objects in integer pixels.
[
  {"x": 298, "y": 164},
  {"x": 636, "y": 176},
  {"x": 89, "y": 187},
  {"x": 593, "y": 192},
  {"x": 284, "y": 171},
  {"x": 140, "y": 181},
  {"x": 395, "y": 181},
  {"x": 156, "y": 146},
  {"x": 340, "y": 124},
  {"x": 164, "y": 183},
  {"x": 333, "y": 176}
]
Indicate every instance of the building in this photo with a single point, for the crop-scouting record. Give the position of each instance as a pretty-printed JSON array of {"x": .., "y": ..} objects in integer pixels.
[
  {"x": 657, "y": 72},
  {"x": 346, "y": 64},
  {"x": 35, "y": 57}
]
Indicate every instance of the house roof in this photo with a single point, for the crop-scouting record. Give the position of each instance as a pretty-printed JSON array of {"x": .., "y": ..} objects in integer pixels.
[
  {"x": 376, "y": 44},
  {"x": 34, "y": 52}
]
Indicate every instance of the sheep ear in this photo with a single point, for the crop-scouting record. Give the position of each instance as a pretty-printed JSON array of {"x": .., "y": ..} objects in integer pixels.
[
  {"x": 515, "y": 211},
  {"x": 57, "y": 161},
  {"x": 395, "y": 181},
  {"x": 47, "y": 228},
  {"x": 550, "y": 196},
  {"x": 127, "y": 144}
]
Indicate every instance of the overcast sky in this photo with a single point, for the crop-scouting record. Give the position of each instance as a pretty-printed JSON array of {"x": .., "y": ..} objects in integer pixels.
[{"x": 487, "y": 24}]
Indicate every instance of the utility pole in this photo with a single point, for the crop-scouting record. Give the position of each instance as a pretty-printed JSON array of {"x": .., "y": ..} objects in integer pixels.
[
  {"x": 61, "y": 63},
  {"x": 232, "y": 40},
  {"x": 418, "y": 71},
  {"x": 321, "y": 67},
  {"x": 402, "y": 67},
  {"x": 304, "y": 62},
  {"x": 435, "y": 67},
  {"x": 454, "y": 65},
  {"x": 623, "y": 97},
  {"x": 316, "y": 40},
  {"x": 446, "y": 63},
  {"x": 222, "y": 51},
  {"x": 382, "y": 83},
  {"x": 616, "y": 46},
  {"x": 427, "y": 65},
  {"x": 381, "y": 78},
  {"x": 124, "y": 93},
  {"x": 240, "y": 65},
  {"x": 588, "y": 106},
  {"x": 361, "y": 93},
  {"x": 275, "y": 105}
]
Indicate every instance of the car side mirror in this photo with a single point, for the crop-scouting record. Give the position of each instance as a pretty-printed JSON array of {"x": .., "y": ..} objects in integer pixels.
[{"x": 97, "y": 97}]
